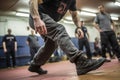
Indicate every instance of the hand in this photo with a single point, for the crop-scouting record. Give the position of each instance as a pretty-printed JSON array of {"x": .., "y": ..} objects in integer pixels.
[
  {"x": 80, "y": 33},
  {"x": 15, "y": 49},
  {"x": 100, "y": 30},
  {"x": 40, "y": 26},
  {"x": 5, "y": 50}
]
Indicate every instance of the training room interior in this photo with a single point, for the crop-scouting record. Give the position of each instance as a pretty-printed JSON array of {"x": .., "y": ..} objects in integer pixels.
[{"x": 14, "y": 15}]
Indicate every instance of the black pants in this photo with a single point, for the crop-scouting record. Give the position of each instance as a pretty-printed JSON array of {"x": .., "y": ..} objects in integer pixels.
[
  {"x": 84, "y": 42},
  {"x": 10, "y": 53},
  {"x": 56, "y": 35},
  {"x": 109, "y": 50},
  {"x": 109, "y": 38}
]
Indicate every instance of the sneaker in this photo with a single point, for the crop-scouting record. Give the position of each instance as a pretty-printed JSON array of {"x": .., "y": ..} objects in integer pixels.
[
  {"x": 84, "y": 65},
  {"x": 37, "y": 69}
]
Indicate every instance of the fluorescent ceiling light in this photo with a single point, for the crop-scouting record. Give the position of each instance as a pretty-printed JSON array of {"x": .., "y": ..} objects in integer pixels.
[
  {"x": 25, "y": 10},
  {"x": 89, "y": 10},
  {"x": 114, "y": 18},
  {"x": 114, "y": 15},
  {"x": 117, "y": 3},
  {"x": 22, "y": 14},
  {"x": 68, "y": 22},
  {"x": 68, "y": 18},
  {"x": 87, "y": 13}
]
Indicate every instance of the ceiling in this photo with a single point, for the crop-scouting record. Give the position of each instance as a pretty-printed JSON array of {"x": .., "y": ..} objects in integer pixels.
[{"x": 10, "y": 7}]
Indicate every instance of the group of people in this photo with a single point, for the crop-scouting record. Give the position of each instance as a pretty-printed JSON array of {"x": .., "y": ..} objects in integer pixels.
[
  {"x": 10, "y": 47},
  {"x": 102, "y": 23},
  {"x": 44, "y": 15}
]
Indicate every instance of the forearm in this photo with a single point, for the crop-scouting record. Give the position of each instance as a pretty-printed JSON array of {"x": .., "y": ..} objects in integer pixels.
[
  {"x": 75, "y": 18},
  {"x": 88, "y": 35},
  {"x": 27, "y": 43},
  {"x": 4, "y": 45},
  {"x": 76, "y": 35},
  {"x": 15, "y": 45},
  {"x": 113, "y": 25},
  {"x": 33, "y": 4},
  {"x": 97, "y": 27}
]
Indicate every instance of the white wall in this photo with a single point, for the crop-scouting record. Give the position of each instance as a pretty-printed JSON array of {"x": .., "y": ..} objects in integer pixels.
[{"x": 17, "y": 24}]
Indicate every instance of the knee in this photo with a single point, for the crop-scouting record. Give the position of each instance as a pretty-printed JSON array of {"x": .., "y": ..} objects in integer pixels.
[
  {"x": 60, "y": 28},
  {"x": 116, "y": 48}
]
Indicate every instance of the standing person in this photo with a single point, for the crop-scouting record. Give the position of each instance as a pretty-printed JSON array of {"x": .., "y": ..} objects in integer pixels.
[
  {"x": 84, "y": 41},
  {"x": 10, "y": 47},
  {"x": 102, "y": 23},
  {"x": 32, "y": 42},
  {"x": 43, "y": 19}
]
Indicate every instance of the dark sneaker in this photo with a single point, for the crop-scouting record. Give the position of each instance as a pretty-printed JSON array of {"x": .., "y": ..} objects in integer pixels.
[
  {"x": 37, "y": 69},
  {"x": 84, "y": 65}
]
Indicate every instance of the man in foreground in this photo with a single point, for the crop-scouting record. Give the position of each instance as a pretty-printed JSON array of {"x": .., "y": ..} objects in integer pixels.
[{"x": 43, "y": 18}]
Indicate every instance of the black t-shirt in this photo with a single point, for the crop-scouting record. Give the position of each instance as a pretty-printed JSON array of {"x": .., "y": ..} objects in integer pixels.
[
  {"x": 9, "y": 40},
  {"x": 84, "y": 29},
  {"x": 56, "y": 9}
]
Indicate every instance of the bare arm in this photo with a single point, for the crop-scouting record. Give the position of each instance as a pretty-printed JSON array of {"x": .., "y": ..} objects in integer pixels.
[
  {"x": 97, "y": 27},
  {"x": 75, "y": 18},
  {"x": 113, "y": 25},
  {"x": 27, "y": 42},
  {"x": 15, "y": 46},
  {"x": 88, "y": 35},
  {"x": 76, "y": 35},
  {"x": 76, "y": 21},
  {"x": 4, "y": 47},
  {"x": 38, "y": 23},
  {"x": 33, "y": 4}
]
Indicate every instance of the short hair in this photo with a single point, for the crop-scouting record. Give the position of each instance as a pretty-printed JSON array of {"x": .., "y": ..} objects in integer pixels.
[{"x": 101, "y": 6}]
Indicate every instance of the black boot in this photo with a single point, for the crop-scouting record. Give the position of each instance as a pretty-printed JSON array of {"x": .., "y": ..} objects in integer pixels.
[
  {"x": 84, "y": 65},
  {"x": 37, "y": 69}
]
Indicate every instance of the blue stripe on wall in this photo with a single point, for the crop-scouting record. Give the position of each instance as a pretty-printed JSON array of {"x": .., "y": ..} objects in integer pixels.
[{"x": 23, "y": 54}]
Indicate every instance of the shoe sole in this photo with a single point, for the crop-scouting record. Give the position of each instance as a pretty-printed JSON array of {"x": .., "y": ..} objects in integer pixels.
[
  {"x": 45, "y": 72},
  {"x": 84, "y": 71}
]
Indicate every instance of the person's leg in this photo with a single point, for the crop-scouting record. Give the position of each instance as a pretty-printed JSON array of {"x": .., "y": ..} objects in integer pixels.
[
  {"x": 41, "y": 57},
  {"x": 103, "y": 43},
  {"x": 114, "y": 44},
  {"x": 104, "y": 38},
  {"x": 88, "y": 52},
  {"x": 7, "y": 58},
  {"x": 13, "y": 57},
  {"x": 58, "y": 34},
  {"x": 109, "y": 50}
]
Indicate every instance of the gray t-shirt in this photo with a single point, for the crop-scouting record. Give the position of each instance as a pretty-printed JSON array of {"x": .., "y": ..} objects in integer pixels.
[
  {"x": 104, "y": 21},
  {"x": 33, "y": 41}
]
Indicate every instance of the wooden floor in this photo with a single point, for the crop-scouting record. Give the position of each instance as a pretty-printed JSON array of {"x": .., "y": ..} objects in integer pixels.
[{"x": 63, "y": 70}]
